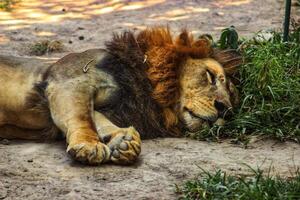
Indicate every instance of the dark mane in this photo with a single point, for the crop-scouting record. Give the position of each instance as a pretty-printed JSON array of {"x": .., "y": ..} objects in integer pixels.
[{"x": 134, "y": 107}]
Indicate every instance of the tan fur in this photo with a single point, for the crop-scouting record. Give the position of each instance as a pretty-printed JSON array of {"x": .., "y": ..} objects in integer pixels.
[
  {"x": 72, "y": 96},
  {"x": 16, "y": 83}
]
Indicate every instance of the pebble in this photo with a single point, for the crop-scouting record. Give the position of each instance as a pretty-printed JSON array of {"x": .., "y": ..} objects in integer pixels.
[
  {"x": 3, "y": 191},
  {"x": 220, "y": 122},
  {"x": 5, "y": 142}
]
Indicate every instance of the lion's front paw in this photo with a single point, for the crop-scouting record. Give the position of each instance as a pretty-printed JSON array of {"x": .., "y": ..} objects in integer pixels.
[
  {"x": 91, "y": 153},
  {"x": 125, "y": 146}
]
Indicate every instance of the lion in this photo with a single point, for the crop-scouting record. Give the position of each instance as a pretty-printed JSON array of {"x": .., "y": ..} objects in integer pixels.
[{"x": 104, "y": 101}]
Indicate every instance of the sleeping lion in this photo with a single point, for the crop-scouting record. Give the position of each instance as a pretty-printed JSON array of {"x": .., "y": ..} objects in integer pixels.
[{"x": 104, "y": 102}]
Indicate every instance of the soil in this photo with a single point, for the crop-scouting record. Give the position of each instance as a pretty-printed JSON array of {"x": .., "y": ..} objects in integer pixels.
[
  {"x": 44, "y": 171},
  {"x": 30, "y": 170},
  {"x": 82, "y": 25}
]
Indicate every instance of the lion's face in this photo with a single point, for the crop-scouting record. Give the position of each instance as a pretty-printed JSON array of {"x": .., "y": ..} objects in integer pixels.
[{"x": 205, "y": 94}]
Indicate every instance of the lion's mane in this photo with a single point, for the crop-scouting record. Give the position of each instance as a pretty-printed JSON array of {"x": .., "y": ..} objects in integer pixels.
[{"x": 146, "y": 67}]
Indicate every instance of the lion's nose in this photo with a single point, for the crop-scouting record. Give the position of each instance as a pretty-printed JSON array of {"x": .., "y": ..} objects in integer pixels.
[{"x": 220, "y": 106}]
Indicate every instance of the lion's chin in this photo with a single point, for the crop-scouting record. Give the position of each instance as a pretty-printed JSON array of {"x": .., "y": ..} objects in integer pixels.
[
  {"x": 201, "y": 124},
  {"x": 197, "y": 126}
]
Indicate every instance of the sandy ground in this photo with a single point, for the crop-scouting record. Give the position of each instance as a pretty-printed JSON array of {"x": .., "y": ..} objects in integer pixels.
[
  {"x": 95, "y": 20},
  {"x": 31, "y": 170},
  {"x": 44, "y": 171}
]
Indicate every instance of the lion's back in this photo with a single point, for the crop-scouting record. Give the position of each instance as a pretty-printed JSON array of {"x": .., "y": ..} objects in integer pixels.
[{"x": 18, "y": 79}]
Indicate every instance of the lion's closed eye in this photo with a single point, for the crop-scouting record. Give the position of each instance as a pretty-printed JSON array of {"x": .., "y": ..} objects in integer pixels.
[{"x": 211, "y": 77}]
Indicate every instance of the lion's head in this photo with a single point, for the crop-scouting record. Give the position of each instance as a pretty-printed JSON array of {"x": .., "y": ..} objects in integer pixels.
[
  {"x": 205, "y": 93},
  {"x": 189, "y": 77}
]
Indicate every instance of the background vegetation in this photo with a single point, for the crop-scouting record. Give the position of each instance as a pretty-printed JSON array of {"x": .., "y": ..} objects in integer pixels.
[
  {"x": 260, "y": 186},
  {"x": 7, "y": 4},
  {"x": 269, "y": 85}
]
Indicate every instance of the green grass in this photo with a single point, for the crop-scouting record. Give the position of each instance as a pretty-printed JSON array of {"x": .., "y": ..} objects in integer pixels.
[
  {"x": 46, "y": 46},
  {"x": 7, "y": 4},
  {"x": 269, "y": 85},
  {"x": 220, "y": 186}
]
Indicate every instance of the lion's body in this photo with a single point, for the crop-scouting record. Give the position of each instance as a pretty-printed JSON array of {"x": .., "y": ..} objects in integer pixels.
[
  {"x": 17, "y": 80},
  {"x": 22, "y": 102},
  {"x": 96, "y": 97}
]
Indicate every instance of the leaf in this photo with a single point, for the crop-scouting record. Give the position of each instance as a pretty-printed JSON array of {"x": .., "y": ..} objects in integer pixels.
[{"x": 229, "y": 38}]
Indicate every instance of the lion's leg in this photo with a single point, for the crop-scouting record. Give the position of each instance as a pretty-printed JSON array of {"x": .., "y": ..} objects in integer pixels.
[
  {"x": 125, "y": 143},
  {"x": 71, "y": 110}
]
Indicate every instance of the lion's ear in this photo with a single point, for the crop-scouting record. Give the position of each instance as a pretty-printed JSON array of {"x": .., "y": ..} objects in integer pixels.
[
  {"x": 230, "y": 59},
  {"x": 184, "y": 39}
]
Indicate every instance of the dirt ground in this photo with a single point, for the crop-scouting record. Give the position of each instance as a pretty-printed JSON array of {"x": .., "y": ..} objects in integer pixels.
[
  {"x": 30, "y": 170},
  {"x": 44, "y": 171},
  {"x": 95, "y": 20}
]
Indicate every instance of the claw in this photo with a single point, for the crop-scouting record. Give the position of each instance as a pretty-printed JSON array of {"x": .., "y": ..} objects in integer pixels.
[
  {"x": 90, "y": 153},
  {"x": 105, "y": 138},
  {"x": 81, "y": 159}
]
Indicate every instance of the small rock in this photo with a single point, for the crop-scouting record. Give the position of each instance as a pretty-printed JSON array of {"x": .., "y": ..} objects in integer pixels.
[
  {"x": 30, "y": 160},
  {"x": 64, "y": 10},
  {"x": 77, "y": 190},
  {"x": 220, "y": 122},
  {"x": 70, "y": 41},
  {"x": 3, "y": 191},
  {"x": 5, "y": 142},
  {"x": 218, "y": 13},
  {"x": 81, "y": 37},
  {"x": 263, "y": 36}
]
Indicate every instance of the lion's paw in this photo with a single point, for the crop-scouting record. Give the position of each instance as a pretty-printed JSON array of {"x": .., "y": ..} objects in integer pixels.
[
  {"x": 91, "y": 153},
  {"x": 125, "y": 146}
]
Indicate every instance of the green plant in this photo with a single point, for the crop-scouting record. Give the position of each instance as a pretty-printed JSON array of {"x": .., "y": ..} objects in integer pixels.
[
  {"x": 45, "y": 46},
  {"x": 7, "y": 4},
  {"x": 220, "y": 186},
  {"x": 229, "y": 38}
]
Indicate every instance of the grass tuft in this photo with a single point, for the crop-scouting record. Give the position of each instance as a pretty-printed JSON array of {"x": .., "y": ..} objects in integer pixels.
[
  {"x": 219, "y": 185},
  {"x": 269, "y": 91},
  {"x": 45, "y": 46},
  {"x": 7, "y": 4}
]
